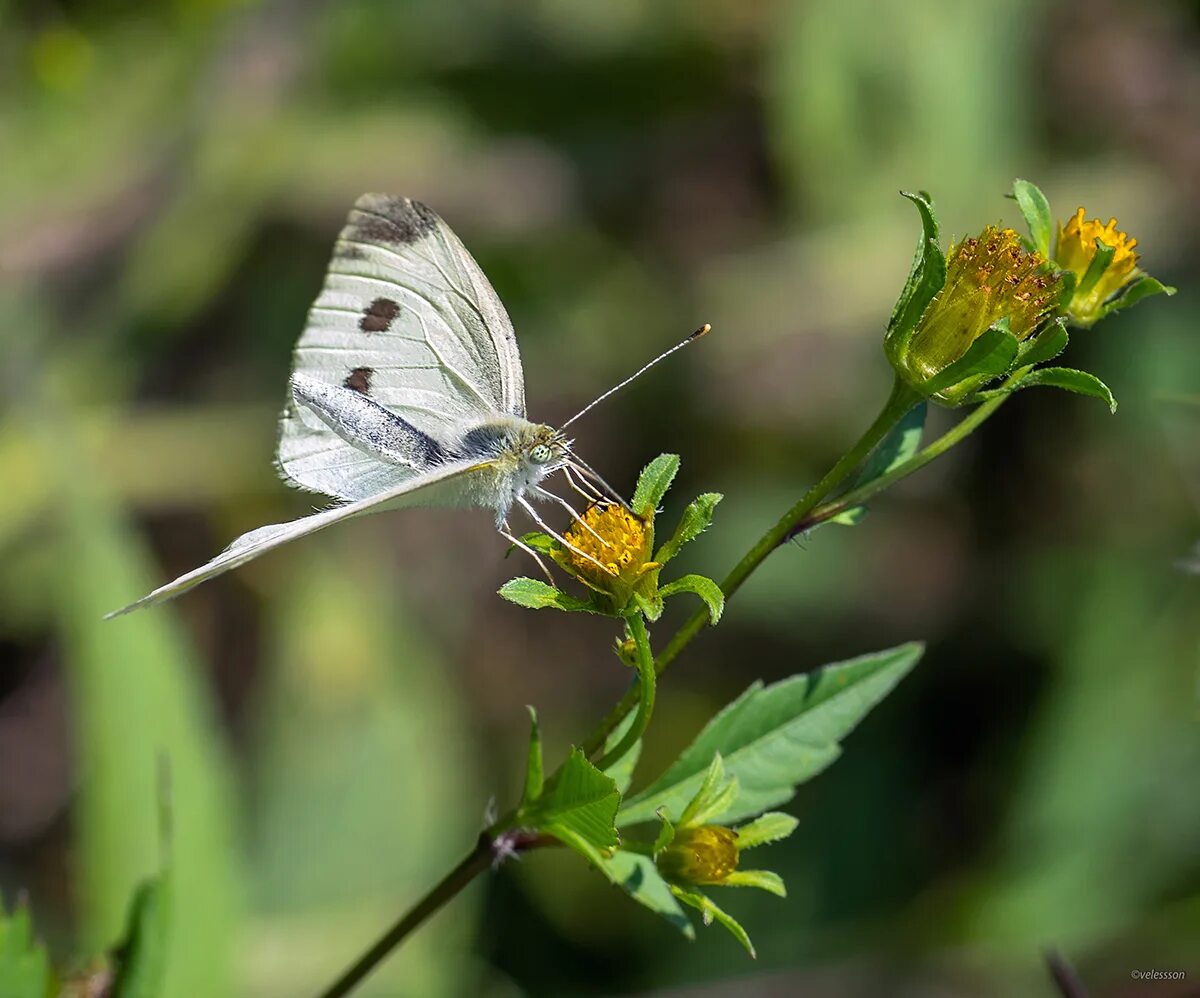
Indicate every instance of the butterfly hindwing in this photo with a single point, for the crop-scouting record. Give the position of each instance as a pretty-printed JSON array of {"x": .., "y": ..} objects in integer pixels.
[{"x": 407, "y": 318}]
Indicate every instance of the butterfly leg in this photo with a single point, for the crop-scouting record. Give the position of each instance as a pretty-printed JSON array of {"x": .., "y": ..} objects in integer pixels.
[
  {"x": 533, "y": 513},
  {"x": 575, "y": 516},
  {"x": 504, "y": 532},
  {"x": 579, "y": 484}
]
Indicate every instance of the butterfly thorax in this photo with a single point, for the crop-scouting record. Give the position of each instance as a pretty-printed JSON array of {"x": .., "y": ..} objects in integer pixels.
[{"x": 521, "y": 454}]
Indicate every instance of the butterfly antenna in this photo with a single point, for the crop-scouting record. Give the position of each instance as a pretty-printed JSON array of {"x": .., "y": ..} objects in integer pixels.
[{"x": 637, "y": 374}]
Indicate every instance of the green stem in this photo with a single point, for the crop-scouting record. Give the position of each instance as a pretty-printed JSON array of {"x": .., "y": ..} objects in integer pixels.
[
  {"x": 900, "y": 401},
  {"x": 647, "y": 675},
  {"x": 473, "y": 864},
  {"x": 856, "y": 497}
]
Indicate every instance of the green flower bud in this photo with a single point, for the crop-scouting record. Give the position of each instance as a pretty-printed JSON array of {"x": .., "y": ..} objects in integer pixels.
[{"x": 704, "y": 855}]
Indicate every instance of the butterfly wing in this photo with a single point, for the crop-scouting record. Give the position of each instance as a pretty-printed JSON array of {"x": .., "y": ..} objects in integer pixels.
[
  {"x": 445, "y": 484},
  {"x": 406, "y": 317}
]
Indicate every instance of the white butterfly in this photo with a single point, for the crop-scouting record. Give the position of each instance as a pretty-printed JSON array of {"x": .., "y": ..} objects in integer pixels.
[{"x": 407, "y": 390}]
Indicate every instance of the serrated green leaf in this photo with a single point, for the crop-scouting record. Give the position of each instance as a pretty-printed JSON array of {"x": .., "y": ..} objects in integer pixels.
[
  {"x": 578, "y": 807},
  {"x": 653, "y": 483},
  {"x": 991, "y": 355},
  {"x": 637, "y": 875},
  {"x": 925, "y": 278},
  {"x": 764, "y": 880},
  {"x": 709, "y": 911},
  {"x": 1070, "y": 380},
  {"x": 142, "y": 956},
  {"x": 1036, "y": 209},
  {"x": 537, "y": 595},
  {"x": 534, "y": 771},
  {"x": 539, "y": 542},
  {"x": 902, "y": 442},
  {"x": 24, "y": 966},
  {"x": 621, "y": 771},
  {"x": 701, "y": 586},
  {"x": 1047, "y": 345},
  {"x": 775, "y": 737},
  {"x": 695, "y": 520},
  {"x": 1143, "y": 287},
  {"x": 769, "y": 827}
]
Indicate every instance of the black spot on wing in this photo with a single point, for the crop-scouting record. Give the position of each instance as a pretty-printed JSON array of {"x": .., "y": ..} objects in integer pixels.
[
  {"x": 377, "y": 317},
  {"x": 359, "y": 380},
  {"x": 385, "y": 219},
  {"x": 348, "y": 251}
]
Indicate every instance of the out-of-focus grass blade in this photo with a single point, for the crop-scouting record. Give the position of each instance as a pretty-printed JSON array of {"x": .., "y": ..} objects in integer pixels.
[
  {"x": 363, "y": 782},
  {"x": 137, "y": 695}
]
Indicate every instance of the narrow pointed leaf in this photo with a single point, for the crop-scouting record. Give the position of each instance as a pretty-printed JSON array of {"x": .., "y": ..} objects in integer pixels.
[
  {"x": 1070, "y": 380},
  {"x": 653, "y": 483},
  {"x": 1096, "y": 269},
  {"x": 990, "y": 356},
  {"x": 701, "y": 586},
  {"x": 1143, "y": 287},
  {"x": 901, "y": 443},
  {"x": 143, "y": 953},
  {"x": 1036, "y": 209},
  {"x": 926, "y": 277},
  {"x": 764, "y": 880},
  {"x": 1047, "y": 345},
  {"x": 769, "y": 827},
  {"x": 775, "y": 737},
  {"x": 621, "y": 771},
  {"x": 24, "y": 966},
  {"x": 710, "y": 911},
  {"x": 695, "y": 520}
]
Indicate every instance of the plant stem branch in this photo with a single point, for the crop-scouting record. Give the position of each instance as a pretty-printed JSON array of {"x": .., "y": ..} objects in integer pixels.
[
  {"x": 473, "y": 864},
  {"x": 647, "y": 675},
  {"x": 900, "y": 401}
]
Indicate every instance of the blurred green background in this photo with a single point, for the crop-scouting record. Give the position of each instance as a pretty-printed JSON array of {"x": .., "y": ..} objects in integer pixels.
[{"x": 338, "y": 714}]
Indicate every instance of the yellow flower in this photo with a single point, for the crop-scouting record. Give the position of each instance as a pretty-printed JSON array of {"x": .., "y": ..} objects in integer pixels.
[
  {"x": 611, "y": 550},
  {"x": 704, "y": 855},
  {"x": 1075, "y": 249},
  {"x": 988, "y": 278}
]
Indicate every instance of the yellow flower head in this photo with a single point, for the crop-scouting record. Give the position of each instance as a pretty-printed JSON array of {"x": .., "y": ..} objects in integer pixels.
[
  {"x": 704, "y": 855},
  {"x": 617, "y": 540},
  {"x": 988, "y": 277},
  {"x": 1075, "y": 249}
]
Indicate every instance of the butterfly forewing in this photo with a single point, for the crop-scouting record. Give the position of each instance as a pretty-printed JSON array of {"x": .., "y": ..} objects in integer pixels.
[{"x": 406, "y": 317}]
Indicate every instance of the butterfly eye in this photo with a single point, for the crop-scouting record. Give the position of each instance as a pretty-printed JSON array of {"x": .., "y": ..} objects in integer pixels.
[{"x": 539, "y": 454}]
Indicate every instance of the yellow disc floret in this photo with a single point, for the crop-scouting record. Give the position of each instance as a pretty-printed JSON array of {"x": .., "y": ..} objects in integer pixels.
[{"x": 611, "y": 548}]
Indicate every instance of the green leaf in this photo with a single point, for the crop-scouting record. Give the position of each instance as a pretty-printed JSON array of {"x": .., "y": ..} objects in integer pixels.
[
  {"x": 1047, "y": 345},
  {"x": 990, "y": 356},
  {"x": 539, "y": 542},
  {"x": 534, "y": 772},
  {"x": 764, "y": 880},
  {"x": 653, "y": 483},
  {"x": 708, "y": 911},
  {"x": 715, "y": 796},
  {"x": 637, "y": 875},
  {"x": 769, "y": 827},
  {"x": 901, "y": 443},
  {"x": 578, "y": 808},
  {"x": 1036, "y": 209},
  {"x": 24, "y": 966},
  {"x": 666, "y": 832},
  {"x": 651, "y": 606},
  {"x": 621, "y": 771},
  {"x": 1070, "y": 380},
  {"x": 695, "y": 520},
  {"x": 1143, "y": 287},
  {"x": 925, "y": 278},
  {"x": 775, "y": 737},
  {"x": 701, "y": 586},
  {"x": 1097, "y": 267},
  {"x": 537, "y": 595},
  {"x": 142, "y": 956},
  {"x": 847, "y": 518}
]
